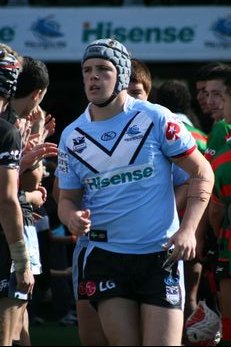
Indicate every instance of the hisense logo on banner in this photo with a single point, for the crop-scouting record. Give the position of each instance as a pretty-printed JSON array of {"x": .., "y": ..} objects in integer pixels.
[{"x": 136, "y": 34}]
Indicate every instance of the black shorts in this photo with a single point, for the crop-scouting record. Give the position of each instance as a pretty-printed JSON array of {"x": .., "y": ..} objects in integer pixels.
[
  {"x": 138, "y": 277},
  {"x": 223, "y": 269},
  {"x": 5, "y": 265},
  {"x": 81, "y": 284}
]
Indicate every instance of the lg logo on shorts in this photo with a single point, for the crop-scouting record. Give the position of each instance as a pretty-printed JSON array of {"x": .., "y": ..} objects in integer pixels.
[{"x": 106, "y": 285}]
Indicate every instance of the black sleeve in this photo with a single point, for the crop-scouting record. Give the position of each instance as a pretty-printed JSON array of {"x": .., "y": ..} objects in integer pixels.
[{"x": 10, "y": 145}]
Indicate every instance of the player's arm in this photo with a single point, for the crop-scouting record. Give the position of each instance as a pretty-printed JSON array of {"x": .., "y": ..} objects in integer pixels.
[
  {"x": 10, "y": 211},
  {"x": 200, "y": 186},
  {"x": 70, "y": 212},
  {"x": 201, "y": 183},
  {"x": 12, "y": 224}
]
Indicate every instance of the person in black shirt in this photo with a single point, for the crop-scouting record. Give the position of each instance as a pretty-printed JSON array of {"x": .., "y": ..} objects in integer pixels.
[{"x": 12, "y": 245}]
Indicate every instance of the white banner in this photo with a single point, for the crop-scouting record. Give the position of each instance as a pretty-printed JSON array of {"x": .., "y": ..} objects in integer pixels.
[{"x": 150, "y": 33}]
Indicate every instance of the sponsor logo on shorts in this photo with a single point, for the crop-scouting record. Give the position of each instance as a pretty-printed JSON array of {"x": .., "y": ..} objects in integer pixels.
[
  {"x": 172, "y": 294},
  {"x": 90, "y": 288},
  {"x": 106, "y": 285},
  {"x": 171, "y": 281}
]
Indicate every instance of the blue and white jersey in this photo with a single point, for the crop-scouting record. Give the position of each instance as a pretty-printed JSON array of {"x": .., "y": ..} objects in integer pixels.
[{"x": 123, "y": 165}]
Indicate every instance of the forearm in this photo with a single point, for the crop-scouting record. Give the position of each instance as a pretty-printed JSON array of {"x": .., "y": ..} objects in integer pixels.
[
  {"x": 181, "y": 196},
  {"x": 31, "y": 179},
  {"x": 201, "y": 181},
  {"x": 199, "y": 192},
  {"x": 65, "y": 209},
  {"x": 71, "y": 213},
  {"x": 193, "y": 214},
  {"x": 12, "y": 224}
]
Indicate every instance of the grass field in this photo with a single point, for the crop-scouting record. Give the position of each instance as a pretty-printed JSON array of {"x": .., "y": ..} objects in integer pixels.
[{"x": 52, "y": 334}]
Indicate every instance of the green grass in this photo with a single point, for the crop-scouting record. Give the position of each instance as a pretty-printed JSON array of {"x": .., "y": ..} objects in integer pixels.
[{"x": 52, "y": 334}]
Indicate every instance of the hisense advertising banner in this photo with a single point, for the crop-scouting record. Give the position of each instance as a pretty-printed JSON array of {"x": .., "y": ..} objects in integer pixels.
[{"x": 192, "y": 33}]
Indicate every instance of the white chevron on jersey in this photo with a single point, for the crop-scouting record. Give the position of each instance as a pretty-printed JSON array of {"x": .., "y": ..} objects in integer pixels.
[{"x": 102, "y": 159}]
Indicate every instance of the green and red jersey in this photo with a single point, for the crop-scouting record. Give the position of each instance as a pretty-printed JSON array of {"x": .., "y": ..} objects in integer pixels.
[
  {"x": 220, "y": 133},
  {"x": 221, "y": 165},
  {"x": 200, "y": 137}
]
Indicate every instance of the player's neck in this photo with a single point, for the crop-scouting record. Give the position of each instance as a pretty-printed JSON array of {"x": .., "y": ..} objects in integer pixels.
[{"x": 112, "y": 109}]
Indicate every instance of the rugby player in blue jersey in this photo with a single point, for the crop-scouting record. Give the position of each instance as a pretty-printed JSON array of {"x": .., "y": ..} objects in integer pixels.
[{"x": 115, "y": 179}]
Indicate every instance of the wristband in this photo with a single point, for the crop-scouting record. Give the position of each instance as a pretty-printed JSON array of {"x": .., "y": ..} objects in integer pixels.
[{"x": 20, "y": 256}]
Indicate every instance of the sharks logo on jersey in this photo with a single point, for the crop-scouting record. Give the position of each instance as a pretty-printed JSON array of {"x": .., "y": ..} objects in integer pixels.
[
  {"x": 134, "y": 133},
  {"x": 110, "y": 135},
  {"x": 79, "y": 144}
]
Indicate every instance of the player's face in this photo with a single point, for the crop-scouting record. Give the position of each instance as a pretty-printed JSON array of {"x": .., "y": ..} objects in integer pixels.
[
  {"x": 202, "y": 97},
  {"x": 100, "y": 77},
  {"x": 214, "y": 91},
  {"x": 137, "y": 91},
  {"x": 227, "y": 105}
]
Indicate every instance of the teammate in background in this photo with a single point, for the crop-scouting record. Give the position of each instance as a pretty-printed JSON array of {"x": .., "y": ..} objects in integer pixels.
[
  {"x": 12, "y": 242},
  {"x": 115, "y": 163},
  {"x": 220, "y": 216},
  {"x": 140, "y": 84}
]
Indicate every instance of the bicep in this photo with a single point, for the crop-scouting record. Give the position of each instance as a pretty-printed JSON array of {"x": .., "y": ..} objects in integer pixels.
[{"x": 195, "y": 164}]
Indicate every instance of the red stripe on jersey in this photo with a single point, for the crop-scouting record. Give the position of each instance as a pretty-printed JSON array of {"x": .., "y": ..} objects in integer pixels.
[
  {"x": 198, "y": 136},
  {"x": 185, "y": 154},
  {"x": 214, "y": 199},
  {"x": 227, "y": 234},
  {"x": 221, "y": 159},
  {"x": 226, "y": 190}
]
